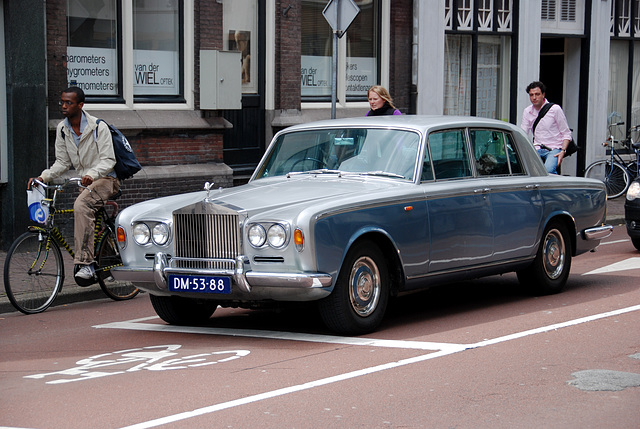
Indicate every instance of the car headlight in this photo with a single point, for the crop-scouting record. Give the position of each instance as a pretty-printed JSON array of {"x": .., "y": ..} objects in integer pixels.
[
  {"x": 277, "y": 236},
  {"x": 634, "y": 191},
  {"x": 160, "y": 234},
  {"x": 257, "y": 235},
  {"x": 141, "y": 234}
]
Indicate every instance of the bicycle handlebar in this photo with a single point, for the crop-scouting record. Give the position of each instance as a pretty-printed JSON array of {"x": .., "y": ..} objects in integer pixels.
[{"x": 76, "y": 180}]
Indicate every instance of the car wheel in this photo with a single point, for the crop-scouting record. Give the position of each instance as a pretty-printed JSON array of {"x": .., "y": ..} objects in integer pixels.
[
  {"x": 636, "y": 243},
  {"x": 359, "y": 300},
  {"x": 177, "y": 310},
  {"x": 550, "y": 269}
]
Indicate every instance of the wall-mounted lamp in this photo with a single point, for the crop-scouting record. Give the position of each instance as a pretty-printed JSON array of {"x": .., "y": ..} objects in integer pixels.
[{"x": 286, "y": 10}]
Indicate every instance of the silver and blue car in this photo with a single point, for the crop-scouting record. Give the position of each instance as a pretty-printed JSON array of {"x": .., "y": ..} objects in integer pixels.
[{"x": 351, "y": 212}]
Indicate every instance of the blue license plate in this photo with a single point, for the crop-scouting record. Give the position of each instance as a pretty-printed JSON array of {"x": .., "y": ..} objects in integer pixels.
[{"x": 201, "y": 284}]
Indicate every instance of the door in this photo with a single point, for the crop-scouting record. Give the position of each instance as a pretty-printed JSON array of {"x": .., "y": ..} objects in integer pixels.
[
  {"x": 243, "y": 27},
  {"x": 460, "y": 214}
]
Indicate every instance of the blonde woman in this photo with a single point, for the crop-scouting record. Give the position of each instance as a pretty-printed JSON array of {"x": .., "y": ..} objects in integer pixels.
[{"x": 380, "y": 102}]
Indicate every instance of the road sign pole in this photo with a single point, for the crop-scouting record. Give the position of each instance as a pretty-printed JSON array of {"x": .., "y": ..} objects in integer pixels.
[{"x": 334, "y": 75}]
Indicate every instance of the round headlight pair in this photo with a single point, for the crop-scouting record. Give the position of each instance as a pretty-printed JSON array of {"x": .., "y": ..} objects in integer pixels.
[
  {"x": 143, "y": 234},
  {"x": 275, "y": 236},
  {"x": 634, "y": 191}
]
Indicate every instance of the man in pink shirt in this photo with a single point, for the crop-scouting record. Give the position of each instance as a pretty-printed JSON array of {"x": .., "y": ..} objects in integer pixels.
[{"x": 552, "y": 133}]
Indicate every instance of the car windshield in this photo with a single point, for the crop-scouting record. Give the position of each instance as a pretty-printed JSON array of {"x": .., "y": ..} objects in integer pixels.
[{"x": 379, "y": 152}]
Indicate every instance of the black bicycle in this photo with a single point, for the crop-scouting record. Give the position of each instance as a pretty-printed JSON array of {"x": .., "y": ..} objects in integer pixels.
[
  {"x": 34, "y": 268},
  {"x": 616, "y": 173}
]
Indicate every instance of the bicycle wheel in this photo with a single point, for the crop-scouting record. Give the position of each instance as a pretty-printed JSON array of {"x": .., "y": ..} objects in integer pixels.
[
  {"x": 33, "y": 272},
  {"x": 614, "y": 176},
  {"x": 107, "y": 256}
]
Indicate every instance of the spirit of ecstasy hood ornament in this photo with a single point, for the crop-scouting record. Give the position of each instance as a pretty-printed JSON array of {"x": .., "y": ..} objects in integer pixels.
[{"x": 207, "y": 187}]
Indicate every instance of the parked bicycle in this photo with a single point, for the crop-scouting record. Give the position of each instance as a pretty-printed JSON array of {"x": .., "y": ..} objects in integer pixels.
[
  {"x": 615, "y": 172},
  {"x": 34, "y": 268}
]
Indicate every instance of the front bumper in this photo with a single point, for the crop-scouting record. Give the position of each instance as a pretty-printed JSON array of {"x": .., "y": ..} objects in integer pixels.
[
  {"x": 632, "y": 217},
  {"x": 249, "y": 285}
]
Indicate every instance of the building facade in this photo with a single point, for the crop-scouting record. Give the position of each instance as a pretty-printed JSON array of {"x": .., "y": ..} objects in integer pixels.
[{"x": 200, "y": 87}]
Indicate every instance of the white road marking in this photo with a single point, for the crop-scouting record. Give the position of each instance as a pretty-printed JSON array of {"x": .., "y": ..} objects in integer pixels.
[
  {"x": 450, "y": 349},
  {"x": 278, "y": 335},
  {"x": 614, "y": 242},
  {"x": 627, "y": 264}
]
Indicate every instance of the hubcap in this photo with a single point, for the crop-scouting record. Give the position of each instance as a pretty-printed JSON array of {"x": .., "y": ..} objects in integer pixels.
[
  {"x": 364, "y": 286},
  {"x": 554, "y": 254}
]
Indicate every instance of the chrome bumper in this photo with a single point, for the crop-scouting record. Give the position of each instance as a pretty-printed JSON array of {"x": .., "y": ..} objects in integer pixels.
[
  {"x": 598, "y": 232},
  {"x": 163, "y": 266}
]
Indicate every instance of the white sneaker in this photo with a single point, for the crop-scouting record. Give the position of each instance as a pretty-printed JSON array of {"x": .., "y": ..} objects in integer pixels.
[{"x": 86, "y": 272}]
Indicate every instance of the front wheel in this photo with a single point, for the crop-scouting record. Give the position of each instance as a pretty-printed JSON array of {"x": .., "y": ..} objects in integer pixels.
[
  {"x": 359, "y": 300},
  {"x": 550, "y": 269},
  {"x": 33, "y": 272},
  {"x": 636, "y": 243},
  {"x": 614, "y": 176},
  {"x": 177, "y": 310},
  {"x": 107, "y": 257}
]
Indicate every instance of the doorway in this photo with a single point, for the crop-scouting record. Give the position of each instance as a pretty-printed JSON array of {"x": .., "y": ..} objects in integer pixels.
[
  {"x": 552, "y": 68},
  {"x": 244, "y": 31}
]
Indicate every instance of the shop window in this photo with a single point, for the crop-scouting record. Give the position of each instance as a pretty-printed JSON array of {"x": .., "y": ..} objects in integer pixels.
[
  {"x": 358, "y": 53},
  {"x": 99, "y": 38},
  {"x": 240, "y": 28}
]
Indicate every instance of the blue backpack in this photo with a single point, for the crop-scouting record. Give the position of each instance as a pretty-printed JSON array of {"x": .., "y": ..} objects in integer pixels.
[{"x": 126, "y": 163}]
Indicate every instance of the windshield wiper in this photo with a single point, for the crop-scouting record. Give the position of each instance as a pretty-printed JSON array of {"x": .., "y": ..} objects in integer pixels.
[
  {"x": 318, "y": 171},
  {"x": 382, "y": 173}
]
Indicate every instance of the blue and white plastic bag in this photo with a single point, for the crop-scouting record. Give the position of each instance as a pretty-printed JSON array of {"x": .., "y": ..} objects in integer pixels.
[{"x": 38, "y": 212}]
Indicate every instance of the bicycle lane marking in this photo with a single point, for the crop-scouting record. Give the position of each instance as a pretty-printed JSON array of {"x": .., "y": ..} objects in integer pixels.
[{"x": 453, "y": 348}]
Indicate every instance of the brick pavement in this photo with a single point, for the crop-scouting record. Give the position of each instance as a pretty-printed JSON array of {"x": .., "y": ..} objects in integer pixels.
[{"x": 72, "y": 293}]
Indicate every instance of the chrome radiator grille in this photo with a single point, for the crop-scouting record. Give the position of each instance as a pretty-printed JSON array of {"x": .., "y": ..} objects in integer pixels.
[{"x": 202, "y": 237}]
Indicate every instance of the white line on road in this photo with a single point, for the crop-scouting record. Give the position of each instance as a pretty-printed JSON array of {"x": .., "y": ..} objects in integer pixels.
[
  {"x": 627, "y": 264},
  {"x": 450, "y": 349},
  {"x": 278, "y": 335}
]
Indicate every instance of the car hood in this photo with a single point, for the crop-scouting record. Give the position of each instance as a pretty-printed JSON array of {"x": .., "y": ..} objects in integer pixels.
[{"x": 269, "y": 196}]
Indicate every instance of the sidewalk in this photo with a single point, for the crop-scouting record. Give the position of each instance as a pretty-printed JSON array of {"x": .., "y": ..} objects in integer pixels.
[{"x": 72, "y": 293}]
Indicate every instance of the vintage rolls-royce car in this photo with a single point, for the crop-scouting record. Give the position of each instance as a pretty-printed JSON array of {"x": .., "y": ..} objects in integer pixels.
[{"x": 351, "y": 212}]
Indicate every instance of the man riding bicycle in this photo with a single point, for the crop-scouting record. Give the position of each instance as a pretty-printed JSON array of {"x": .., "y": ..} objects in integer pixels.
[{"x": 85, "y": 145}]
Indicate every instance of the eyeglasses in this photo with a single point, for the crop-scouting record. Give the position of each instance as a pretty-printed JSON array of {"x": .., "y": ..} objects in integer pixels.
[{"x": 65, "y": 103}]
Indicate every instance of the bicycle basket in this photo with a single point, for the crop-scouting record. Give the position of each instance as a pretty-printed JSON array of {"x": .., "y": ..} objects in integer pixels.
[{"x": 38, "y": 211}]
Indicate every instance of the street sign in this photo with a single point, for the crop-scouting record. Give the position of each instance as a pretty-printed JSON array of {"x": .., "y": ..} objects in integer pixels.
[{"x": 340, "y": 14}]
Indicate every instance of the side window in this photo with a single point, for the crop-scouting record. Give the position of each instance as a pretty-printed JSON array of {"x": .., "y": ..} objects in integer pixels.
[
  {"x": 489, "y": 152},
  {"x": 514, "y": 160},
  {"x": 449, "y": 154},
  {"x": 494, "y": 153}
]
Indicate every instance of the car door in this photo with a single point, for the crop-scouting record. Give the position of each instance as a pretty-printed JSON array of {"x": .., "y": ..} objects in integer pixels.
[
  {"x": 515, "y": 200},
  {"x": 460, "y": 214}
]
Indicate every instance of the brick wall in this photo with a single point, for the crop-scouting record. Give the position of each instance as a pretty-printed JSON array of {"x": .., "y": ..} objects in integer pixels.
[
  {"x": 162, "y": 149},
  {"x": 287, "y": 55},
  {"x": 401, "y": 53},
  {"x": 56, "y": 11}
]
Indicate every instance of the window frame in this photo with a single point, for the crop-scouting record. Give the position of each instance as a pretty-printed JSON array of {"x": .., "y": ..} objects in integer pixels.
[
  {"x": 126, "y": 99},
  {"x": 382, "y": 52}
]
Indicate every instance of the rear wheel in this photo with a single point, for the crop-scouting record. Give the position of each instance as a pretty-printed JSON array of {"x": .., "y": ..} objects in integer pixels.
[
  {"x": 177, "y": 310},
  {"x": 550, "y": 269},
  {"x": 107, "y": 257},
  {"x": 614, "y": 177},
  {"x": 33, "y": 272},
  {"x": 359, "y": 300}
]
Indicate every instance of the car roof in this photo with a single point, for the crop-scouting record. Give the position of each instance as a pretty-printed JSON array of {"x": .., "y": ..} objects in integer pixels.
[{"x": 418, "y": 122}]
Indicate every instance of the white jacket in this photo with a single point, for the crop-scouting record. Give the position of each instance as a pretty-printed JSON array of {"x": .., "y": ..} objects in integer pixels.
[{"x": 90, "y": 158}]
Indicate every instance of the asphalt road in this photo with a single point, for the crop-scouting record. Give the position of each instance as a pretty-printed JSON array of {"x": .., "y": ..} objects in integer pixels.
[{"x": 479, "y": 354}]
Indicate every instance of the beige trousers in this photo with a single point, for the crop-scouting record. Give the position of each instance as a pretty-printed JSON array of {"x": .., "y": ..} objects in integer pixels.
[{"x": 84, "y": 212}]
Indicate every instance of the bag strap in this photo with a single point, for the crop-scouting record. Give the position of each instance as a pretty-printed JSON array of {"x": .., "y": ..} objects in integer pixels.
[{"x": 541, "y": 114}]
